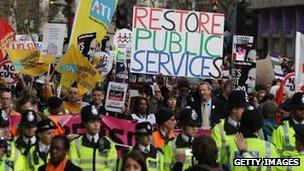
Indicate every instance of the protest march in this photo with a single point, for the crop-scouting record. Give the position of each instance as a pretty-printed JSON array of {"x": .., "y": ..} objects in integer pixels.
[{"x": 171, "y": 89}]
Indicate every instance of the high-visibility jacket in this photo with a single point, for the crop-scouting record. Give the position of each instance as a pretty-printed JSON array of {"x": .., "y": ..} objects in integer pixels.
[
  {"x": 6, "y": 164},
  {"x": 35, "y": 160},
  {"x": 159, "y": 140},
  {"x": 257, "y": 148},
  {"x": 283, "y": 138},
  {"x": 170, "y": 151},
  {"x": 17, "y": 155},
  {"x": 296, "y": 168},
  {"x": 101, "y": 156},
  {"x": 154, "y": 160},
  {"x": 219, "y": 134}
]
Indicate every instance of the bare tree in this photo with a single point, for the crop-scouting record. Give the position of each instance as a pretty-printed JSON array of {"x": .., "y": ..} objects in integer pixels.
[{"x": 26, "y": 15}]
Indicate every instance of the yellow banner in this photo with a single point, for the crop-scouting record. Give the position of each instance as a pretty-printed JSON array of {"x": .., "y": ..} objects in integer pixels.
[
  {"x": 27, "y": 62},
  {"x": 75, "y": 67},
  {"x": 91, "y": 22},
  {"x": 47, "y": 59}
]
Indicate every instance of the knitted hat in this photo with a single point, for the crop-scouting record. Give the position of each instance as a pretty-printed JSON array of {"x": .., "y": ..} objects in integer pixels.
[
  {"x": 251, "y": 121},
  {"x": 297, "y": 100},
  {"x": 54, "y": 102},
  {"x": 163, "y": 115}
]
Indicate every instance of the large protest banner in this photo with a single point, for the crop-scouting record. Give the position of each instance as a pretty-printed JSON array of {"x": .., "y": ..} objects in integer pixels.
[
  {"x": 112, "y": 127},
  {"x": 26, "y": 42},
  {"x": 243, "y": 69},
  {"x": 90, "y": 24},
  {"x": 73, "y": 66},
  {"x": 27, "y": 62},
  {"x": 116, "y": 96},
  {"x": 299, "y": 63},
  {"x": 177, "y": 43},
  {"x": 7, "y": 34}
]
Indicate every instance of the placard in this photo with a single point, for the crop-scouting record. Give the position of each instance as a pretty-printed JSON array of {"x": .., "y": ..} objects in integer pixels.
[
  {"x": 116, "y": 97},
  {"x": 177, "y": 43}
]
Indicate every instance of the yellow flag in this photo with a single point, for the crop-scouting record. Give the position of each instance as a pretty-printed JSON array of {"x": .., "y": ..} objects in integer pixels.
[
  {"x": 75, "y": 67},
  {"x": 91, "y": 22},
  {"x": 47, "y": 59},
  {"x": 27, "y": 62}
]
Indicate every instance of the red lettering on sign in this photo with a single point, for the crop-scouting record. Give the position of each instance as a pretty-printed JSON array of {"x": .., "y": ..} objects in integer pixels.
[{"x": 138, "y": 18}]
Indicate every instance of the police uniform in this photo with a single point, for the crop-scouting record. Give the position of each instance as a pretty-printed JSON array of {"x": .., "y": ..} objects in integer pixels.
[
  {"x": 223, "y": 132},
  {"x": 6, "y": 164},
  {"x": 160, "y": 138},
  {"x": 4, "y": 124},
  {"x": 251, "y": 122},
  {"x": 39, "y": 153},
  {"x": 96, "y": 152},
  {"x": 299, "y": 134},
  {"x": 282, "y": 136},
  {"x": 22, "y": 145},
  {"x": 181, "y": 142},
  {"x": 154, "y": 156}
]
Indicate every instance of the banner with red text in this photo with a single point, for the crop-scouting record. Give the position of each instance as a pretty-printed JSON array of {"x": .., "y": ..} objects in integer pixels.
[{"x": 177, "y": 43}]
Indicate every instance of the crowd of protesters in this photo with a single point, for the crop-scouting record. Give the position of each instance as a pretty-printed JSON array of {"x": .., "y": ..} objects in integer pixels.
[{"x": 240, "y": 125}]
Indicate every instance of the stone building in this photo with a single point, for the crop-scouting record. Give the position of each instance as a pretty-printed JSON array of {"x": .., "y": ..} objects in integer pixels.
[{"x": 278, "y": 21}]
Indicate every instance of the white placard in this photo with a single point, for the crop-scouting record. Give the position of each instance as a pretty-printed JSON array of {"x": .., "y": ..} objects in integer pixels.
[
  {"x": 53, "y": 37},
  {"x": 177, "y": 43},
  {"x": 116, "y": 96}
]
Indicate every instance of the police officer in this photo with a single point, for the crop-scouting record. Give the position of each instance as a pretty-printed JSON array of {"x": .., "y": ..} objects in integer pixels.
[
  {"x": 299, "y": 136},
  {"x": 22, "y": 145},
  {"x": 181, "y": 145},
  {"x": 4, "y": 125},
  {"x": 224, "y": 131},
  {"x": 93, "y": 151},
  {"x": 166, "y": 123},
  {"x": 282, "y": 136},
  {"x": 5, "y": 152},
  {"x": 249, "y": 144},
  {"x": 154, "y": 156},
  {"x": 39, "y": 153}
]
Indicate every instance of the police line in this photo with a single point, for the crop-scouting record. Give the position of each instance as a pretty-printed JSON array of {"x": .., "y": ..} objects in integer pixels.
[{"x": 111, "y": 126}]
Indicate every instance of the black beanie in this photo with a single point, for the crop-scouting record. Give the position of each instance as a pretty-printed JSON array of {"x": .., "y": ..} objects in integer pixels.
[
  {"x": 163, "y": 115},
  {"x": 251, "y": 121},
  {"x": 54, "y": 102}
]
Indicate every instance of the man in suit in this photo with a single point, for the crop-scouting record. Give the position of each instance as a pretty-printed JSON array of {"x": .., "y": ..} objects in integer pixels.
[
  {"x": 59, "y": 149},
  {"x": 210, "y": 110}
]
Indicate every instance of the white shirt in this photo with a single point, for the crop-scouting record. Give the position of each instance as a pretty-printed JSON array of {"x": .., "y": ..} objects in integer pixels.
[
  {"x": 26, "y": 140},
  {"x": 233, "y": 122},
  {"x": 96, "y": 137},
  {"x": 43, "y": 148},
  {"x": 143, "y": 148},
  {"x": 296, "y": 122},
  {"x": 149, "y": 118}
]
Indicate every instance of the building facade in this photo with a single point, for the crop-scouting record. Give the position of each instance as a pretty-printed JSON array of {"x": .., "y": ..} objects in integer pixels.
[{"x": 278, "y": 21}]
